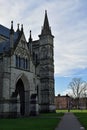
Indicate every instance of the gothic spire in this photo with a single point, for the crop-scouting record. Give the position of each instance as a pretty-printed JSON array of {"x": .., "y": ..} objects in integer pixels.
[
  {"x": 30, "y": 43},
  {"x": 11, "y": 30},
  {"x": 46, "y": 28},
  {"x": 11, "y": 35},
  {"x": 21, "y": 27},
  {"x": 11, "y": 24},
  {"x": 30, "y": 38},
  {"x": 18, "y": 27}
]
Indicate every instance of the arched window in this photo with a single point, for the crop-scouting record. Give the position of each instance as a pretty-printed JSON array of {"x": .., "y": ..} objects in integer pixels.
[
  {"x": 19, "y": 59},
  {"x": 33, "y": 56},
  {"x": 21, "y": 62},
  {"x": 16, "y": 59},
  {"x": 26, "y": 63},
  {"x": 44, "y": 53}
]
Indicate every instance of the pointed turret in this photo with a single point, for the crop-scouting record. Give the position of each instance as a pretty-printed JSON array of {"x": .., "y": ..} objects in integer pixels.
[
  {"x": 11, "y": 35},
  {"x": 18, "y": 30},
  {"x": 11, "y": 30},
  {"x": 22, "y": 28},
  {"x": 30, "y": 38},
  {"x": 30, "y": 43},
  {"x": 46, "y": 64},
  {"x": 46, "y": 30}
]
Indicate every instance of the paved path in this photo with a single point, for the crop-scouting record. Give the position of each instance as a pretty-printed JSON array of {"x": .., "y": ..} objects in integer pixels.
[{"x": 69, "y": 122}]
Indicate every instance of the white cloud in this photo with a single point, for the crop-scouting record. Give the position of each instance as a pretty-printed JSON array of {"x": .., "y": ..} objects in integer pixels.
[
  {"x": 70, "y": 45},
  {"x": 67, "y": 91},
  {"x": 68, "y": 22}
]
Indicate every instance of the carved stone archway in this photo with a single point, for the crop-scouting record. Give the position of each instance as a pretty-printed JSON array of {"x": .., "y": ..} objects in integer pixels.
[{"x": 21, "y": 92}]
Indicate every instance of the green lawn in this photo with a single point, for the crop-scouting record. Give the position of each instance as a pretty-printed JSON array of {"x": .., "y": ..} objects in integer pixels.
[
  {"x": 74, "y": 111},
  {"x": 42, "y": 122},
  {"x": 81, "y": 115}
]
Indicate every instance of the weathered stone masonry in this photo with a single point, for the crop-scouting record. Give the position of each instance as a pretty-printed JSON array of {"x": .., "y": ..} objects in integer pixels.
[{"x": 26, "y": 72}]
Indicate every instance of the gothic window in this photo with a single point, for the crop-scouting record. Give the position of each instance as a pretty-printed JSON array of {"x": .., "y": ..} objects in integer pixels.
[
  {"x": 21, "y": 62},
  {"x": 26, "y": 63},
  {"x": 16, "y": 61},
  {"x": 44, "y": 52},
  {"x": 33, "y": 56}
]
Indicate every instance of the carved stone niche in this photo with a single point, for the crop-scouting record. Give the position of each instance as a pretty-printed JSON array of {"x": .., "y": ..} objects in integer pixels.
[{"x": 44, "y": 53}]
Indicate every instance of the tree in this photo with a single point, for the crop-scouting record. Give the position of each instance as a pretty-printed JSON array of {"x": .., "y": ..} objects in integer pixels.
[{"x": 78, "y": 89}]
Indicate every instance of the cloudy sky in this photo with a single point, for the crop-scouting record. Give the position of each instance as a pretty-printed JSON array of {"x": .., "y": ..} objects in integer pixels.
[{"x": 68, "y": 21}]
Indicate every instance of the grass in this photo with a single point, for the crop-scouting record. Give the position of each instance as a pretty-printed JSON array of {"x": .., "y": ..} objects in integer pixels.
[
  {"x": 46, "y": 121},
  {"x": 80, "y": 114},
  {"x": 42, "y": 122},
  {"x": 82, "y": 117},
  {"x": 74, "y": 111}
]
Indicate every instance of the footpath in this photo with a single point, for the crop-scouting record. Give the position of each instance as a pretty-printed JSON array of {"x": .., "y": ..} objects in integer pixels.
[{"x": 69, "y": 122}]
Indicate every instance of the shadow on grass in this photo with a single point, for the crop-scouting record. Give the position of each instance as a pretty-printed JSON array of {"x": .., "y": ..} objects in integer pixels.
[{"x": 46, "y": 121}]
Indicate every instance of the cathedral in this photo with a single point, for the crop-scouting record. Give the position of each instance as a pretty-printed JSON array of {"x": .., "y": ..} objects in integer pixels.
[{"x": 26, "y": 71}]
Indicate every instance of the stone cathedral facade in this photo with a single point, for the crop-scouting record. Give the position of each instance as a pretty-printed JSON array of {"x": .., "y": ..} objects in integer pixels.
[{"x": 26, "y": 72}]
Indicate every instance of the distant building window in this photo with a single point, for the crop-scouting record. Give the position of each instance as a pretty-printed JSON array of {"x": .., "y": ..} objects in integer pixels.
[{"x": 21, "y": 62}]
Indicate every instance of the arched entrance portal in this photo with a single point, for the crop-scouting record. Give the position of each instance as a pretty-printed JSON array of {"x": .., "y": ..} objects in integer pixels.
[{"x": 20, "y": 91}]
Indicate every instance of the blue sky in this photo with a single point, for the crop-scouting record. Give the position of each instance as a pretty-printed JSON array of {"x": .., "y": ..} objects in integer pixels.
[{"x": 68, "y": 21}]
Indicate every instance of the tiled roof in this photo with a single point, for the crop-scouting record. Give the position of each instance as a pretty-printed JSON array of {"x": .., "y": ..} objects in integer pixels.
[
  {"x": 4, "y": 31},
  {"x": 5, "y": 46}
]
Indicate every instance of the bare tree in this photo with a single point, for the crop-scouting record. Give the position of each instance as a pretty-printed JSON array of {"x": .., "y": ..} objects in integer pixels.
[{"x": 78, "y": 88}]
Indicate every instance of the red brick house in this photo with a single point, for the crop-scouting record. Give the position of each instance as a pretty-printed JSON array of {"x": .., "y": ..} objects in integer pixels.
[
  {"x": 67, "y": 102},
  {"x": 62, "y": 102}
]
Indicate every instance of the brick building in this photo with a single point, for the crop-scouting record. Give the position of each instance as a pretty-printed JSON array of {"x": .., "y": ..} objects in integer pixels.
[
  {"x": 63, "y": 102},
  {"x": 67, "y": 102}
]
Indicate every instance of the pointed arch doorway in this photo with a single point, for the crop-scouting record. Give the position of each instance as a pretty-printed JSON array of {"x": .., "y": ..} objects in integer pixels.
[{"x": 21, "y": 92}]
